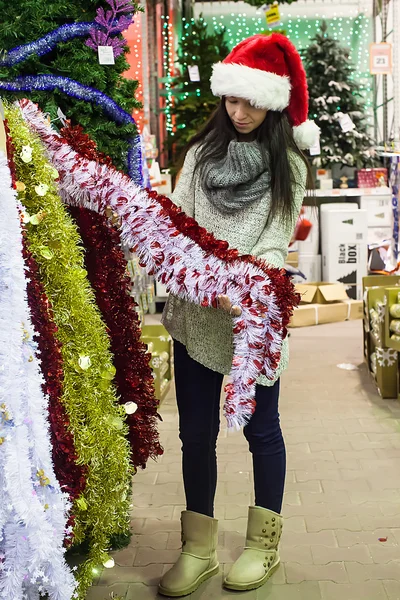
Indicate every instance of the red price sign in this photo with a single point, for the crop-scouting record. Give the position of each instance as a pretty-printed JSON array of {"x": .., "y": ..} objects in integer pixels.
[{"x": 381, "y": 59}]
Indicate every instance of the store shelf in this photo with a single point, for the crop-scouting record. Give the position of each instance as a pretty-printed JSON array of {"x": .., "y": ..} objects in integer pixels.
[{"x": 337, "y": 192}]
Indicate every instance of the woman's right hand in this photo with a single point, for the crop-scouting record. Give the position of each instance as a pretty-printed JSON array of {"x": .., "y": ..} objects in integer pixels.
[{"x": 225, "y": 304}]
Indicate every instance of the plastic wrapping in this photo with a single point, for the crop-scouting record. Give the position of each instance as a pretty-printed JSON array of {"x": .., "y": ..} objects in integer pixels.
[
  {"x": 395, "y": 326},
  {"x": 395, "y": 311}
]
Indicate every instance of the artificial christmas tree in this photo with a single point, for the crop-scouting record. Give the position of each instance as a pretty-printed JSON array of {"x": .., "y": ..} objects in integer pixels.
[
  {"x": 59, "y": 49},
  {"x": 193, "y": 99},
  {"x": 336, "y": 104}
]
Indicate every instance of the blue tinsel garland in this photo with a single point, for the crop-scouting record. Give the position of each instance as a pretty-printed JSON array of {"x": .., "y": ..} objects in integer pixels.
[
  {"x": 30, "y": 83},
  {"x": 47, "y": 43}
]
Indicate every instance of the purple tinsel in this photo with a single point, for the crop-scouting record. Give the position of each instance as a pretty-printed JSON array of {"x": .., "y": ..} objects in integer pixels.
[
  {"x": 64, "y": 33},
  {"x": 109, "y": 24},
  {"x": 31, "y": 83}
]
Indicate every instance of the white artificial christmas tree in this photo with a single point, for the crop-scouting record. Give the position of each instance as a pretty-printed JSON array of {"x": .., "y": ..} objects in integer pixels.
[{"x": 336, "y": 104}]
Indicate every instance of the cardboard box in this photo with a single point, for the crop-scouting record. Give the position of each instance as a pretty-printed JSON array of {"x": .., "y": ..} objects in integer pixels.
[
  {"x": 373, "y": 297},
  {"x": 310, "y": 266},
  {"x": 384, "y": 281},
  {"x": 379, "y": 210},
  {"x": 321, "y": 292},
  {"x": 326, "y": 184},
  {"x": 374, "y": 281},
  {"x": 319, "y": 314},
  {"x": 338, "y": 206},
  {"x": 354, "y": 310},
  {"x": 310, "y": 246},
  {"x": 391, "y": 297},
  {"x": 377, "y": 235},
  {"x": 324, "y": 174},
  {"x": 161, "y": 291},
  {"x": 386, "y": 373},
  {"x": 293, "y": 259},
  {"x": 371, "y": 178},
  {"x": 344, "y": 247}
]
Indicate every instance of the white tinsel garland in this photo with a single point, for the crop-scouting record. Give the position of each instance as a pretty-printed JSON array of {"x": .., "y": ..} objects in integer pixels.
[{"x": 33, "y": 508}]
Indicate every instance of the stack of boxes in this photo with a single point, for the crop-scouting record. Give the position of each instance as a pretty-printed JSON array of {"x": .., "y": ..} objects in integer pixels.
[
  {"x": 381, "y": 347},
  {"x": 344, "y": 232},
  {"x": 324, "y": 303}
]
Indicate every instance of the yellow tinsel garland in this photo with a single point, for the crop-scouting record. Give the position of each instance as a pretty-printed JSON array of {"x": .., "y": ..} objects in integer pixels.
[{"x": 96, "y": 419}]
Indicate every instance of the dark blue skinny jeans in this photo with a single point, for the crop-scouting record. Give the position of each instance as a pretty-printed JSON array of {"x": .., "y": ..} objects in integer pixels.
[{"x": 198, "y": 392}]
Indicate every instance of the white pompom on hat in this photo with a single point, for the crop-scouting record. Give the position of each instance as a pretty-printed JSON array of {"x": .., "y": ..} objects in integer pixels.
[{"x": 267, "y": 71}]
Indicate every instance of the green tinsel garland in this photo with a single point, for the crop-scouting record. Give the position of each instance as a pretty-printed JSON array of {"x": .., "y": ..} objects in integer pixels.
[{"x": 96, "y": 419}]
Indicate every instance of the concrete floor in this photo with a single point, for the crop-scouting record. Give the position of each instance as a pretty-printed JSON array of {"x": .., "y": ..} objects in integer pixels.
[{"x": 342, "y": 492}]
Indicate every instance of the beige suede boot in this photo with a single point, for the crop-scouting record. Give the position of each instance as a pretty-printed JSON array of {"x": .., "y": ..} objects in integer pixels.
[
  {"x": 260, "y": 557},
  {"x": 198, "y": 560}
]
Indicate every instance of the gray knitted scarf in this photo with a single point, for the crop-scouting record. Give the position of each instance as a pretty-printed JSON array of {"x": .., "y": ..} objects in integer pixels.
[{"x": 237, "y": 180}]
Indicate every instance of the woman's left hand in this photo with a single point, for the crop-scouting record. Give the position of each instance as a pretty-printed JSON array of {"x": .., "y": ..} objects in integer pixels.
[{"x": 225, "y": 304}]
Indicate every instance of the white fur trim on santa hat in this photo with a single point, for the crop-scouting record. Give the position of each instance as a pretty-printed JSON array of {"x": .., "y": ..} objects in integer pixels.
[
  {"x": 306, "y": 134},
  {"x": 261, "y": 88}
]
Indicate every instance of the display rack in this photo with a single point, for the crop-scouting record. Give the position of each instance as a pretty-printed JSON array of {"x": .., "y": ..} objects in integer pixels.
[{"x": 350, "y": 192}]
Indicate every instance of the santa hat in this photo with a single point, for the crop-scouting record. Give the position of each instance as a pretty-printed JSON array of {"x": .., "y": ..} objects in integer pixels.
[{"x": 267, "y": 71}]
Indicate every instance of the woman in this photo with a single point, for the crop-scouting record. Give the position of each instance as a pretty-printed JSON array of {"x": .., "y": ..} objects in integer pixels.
[{"x": 243, "y": 179}]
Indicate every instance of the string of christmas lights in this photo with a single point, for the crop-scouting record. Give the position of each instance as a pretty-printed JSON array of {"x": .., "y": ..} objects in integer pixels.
[
  {"x": 356, "y": 33},
  {"x": 168, "y": 68},
  {"x": 134, "y": 38}
]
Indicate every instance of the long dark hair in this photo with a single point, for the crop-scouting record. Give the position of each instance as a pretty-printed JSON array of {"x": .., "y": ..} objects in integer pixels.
[{"x": 275, "y": 136}]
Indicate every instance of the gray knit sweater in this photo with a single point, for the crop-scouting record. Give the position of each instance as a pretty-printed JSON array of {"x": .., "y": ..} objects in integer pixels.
[{"x": 207, "y": 332}]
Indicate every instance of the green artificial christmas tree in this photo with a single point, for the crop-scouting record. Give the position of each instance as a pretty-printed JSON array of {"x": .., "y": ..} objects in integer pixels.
[
  {"x": 336, "y": 104},
  {"x": 193, "y": 99},
  {"x": 73, "y": 57}
]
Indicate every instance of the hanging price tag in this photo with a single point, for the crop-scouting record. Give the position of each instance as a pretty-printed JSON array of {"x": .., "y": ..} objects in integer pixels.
[
  {"x": 106, "y": 55},
  {"x": 316, "y": 149},
  {"x": 381, "y": 59},
  {"x": 346, "y": 123},
  {"x": 194, "y": 74},
  {"x": 272, "y": 15},
  {"x": 61, "y": 116}
]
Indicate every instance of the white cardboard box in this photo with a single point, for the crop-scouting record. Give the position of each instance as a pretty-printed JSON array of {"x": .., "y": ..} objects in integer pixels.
[
  {"x": 310, "y": 266},
  {"x": 310, "y": 246},
  {"x": 326, "y": 184},
  {"x": 338, "y": 206},
  {"x": 344, "y": 234},
  {"x": 376, "y": 235},
  {"x": 379, "y": 209},
  {"x": 161, "y": 291}
]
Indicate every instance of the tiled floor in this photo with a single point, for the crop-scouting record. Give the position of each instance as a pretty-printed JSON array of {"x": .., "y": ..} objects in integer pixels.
[{"x": 342, "y": 494}]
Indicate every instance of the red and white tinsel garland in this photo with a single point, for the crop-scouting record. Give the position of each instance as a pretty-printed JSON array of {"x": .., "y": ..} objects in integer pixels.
[{"x": 188, "y": 269}]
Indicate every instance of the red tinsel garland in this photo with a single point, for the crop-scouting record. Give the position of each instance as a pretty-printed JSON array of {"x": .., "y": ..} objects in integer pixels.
[
  {"x": 70, "y": 475},
  {"x": 106, "y": 267},
  {"x": 81, "y": 142}
]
